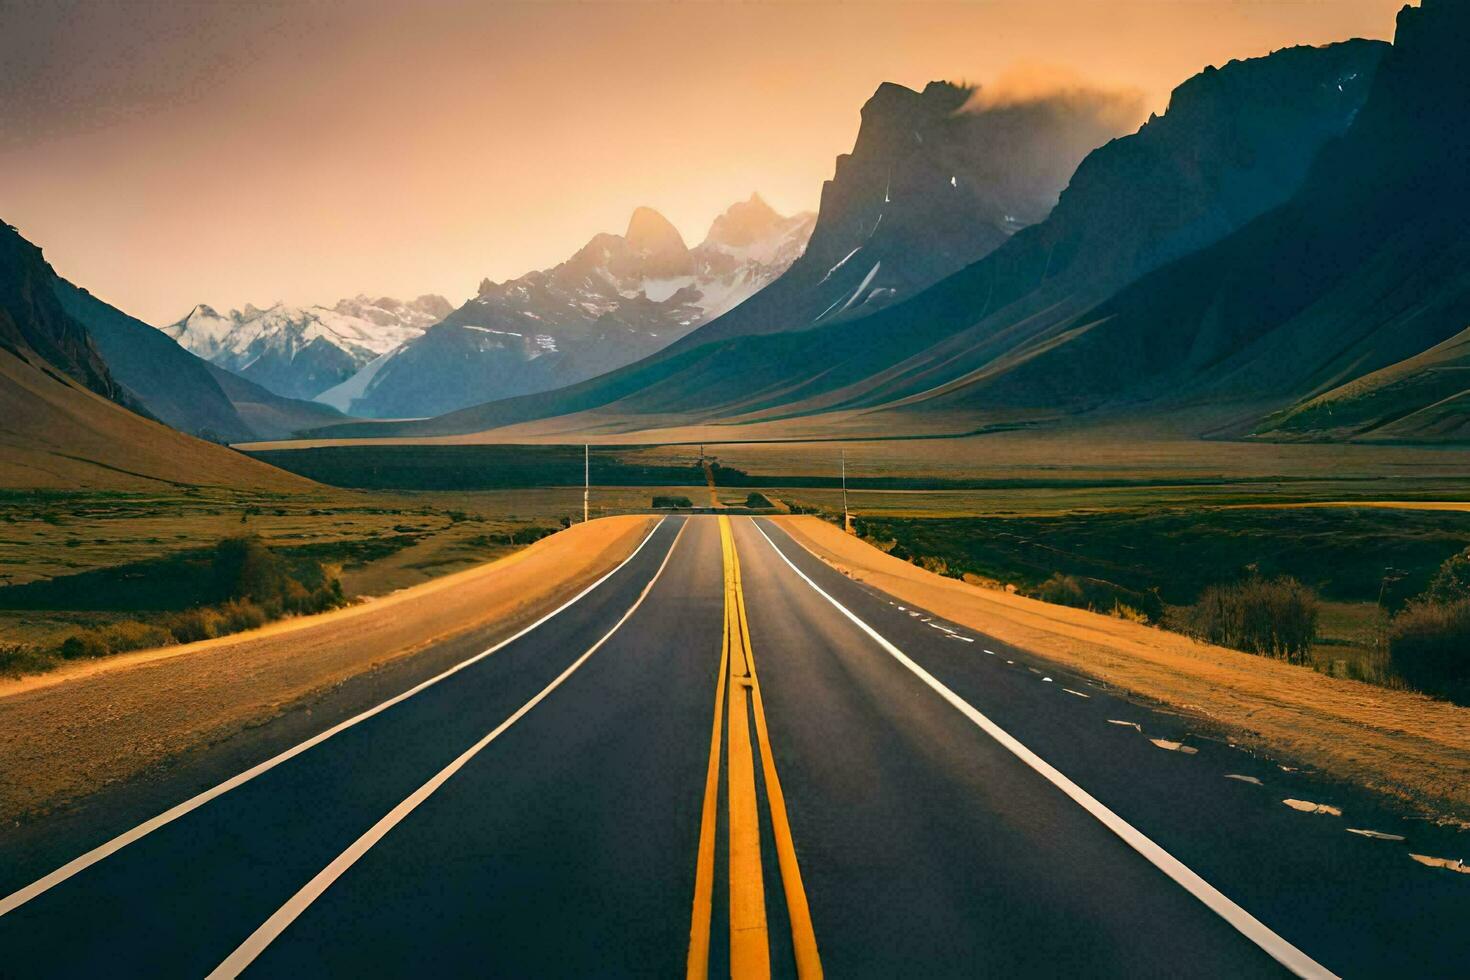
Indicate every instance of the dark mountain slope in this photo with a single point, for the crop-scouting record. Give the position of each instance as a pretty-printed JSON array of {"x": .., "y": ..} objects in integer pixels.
[
  {"x": 181, "y": 389},
  {"x": 58, "y": 428},
  {"x": 935, "y": 180},
  {"x": 1234, "y": 143},
  {"x": 1364, "y": 267},
  {"x": 33, "y": 322}
]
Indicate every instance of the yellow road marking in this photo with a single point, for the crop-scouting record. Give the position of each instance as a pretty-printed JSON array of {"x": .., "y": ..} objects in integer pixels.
[
  {"x": 750, "y": 947},
  {"x": 737, "y": 698},
  {"x": 803, "y": 935},
  {"x": 704, "y": 868}
]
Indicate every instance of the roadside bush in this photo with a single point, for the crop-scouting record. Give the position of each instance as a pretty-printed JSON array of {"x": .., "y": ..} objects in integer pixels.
[
  {"x": 1452, "y": 582},
  {"x": 666, "y": 501},
  {"x": 133, "y": 635},
  {"x": 193, "y": 625},
  {"x": 244, "y": 568},
  {"x": 240, "y": 615},
  {"x": 18, "y": 659},
  {"x": 114, "y": 638},
  {"x": 755, "y": 500},
  {"x": 1273, "y": 617},
  {"x": 930, "y": 563},
  {"x": 1101, "y": 596},
  {"x": 84, "y": 646},
  {"x": 1429, "y": 647}
]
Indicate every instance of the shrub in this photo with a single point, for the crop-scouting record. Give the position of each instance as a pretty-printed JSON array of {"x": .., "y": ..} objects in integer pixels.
[
  {"x": 83, "y": 645},
  {"x": 757, "y": 500},
  {"x": 133, "y": 635},
  {"x": 1275, "y": 617},
  {"x": 239, "y": 615},
  {"x": 244, "y": 568},
  {"x": 1429, "y": 646},
  {"x": 930, "y": 563},
  {"x": 1452, "y": 582},
  {"x": 1101, "y": 596},
  {"x": 114, "y": 638},
  {"x": 192, "y": 625},
  {"x": 660, "y": 502},
  {"x": 18, "y": 659}
]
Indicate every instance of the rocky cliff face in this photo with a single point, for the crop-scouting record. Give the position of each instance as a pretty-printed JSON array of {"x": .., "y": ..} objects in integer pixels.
[
  {"x": 936, "y": 180},
  {"x": 35, "y": 327}
]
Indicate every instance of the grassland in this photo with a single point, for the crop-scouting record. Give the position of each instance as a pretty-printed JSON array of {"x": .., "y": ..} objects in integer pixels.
[{"x": 1149, "y": 511}]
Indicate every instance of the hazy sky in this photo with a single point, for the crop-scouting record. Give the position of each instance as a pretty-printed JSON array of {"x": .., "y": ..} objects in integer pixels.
[{"x": 167, "y": 153}]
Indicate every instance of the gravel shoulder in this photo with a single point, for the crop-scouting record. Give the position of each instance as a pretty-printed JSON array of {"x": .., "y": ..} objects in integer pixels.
[{"x": 1397, "y": 742}]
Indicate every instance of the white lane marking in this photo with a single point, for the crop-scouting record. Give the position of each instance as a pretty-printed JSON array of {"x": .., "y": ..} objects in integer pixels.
[
  {"x": 1127, "y": 724},
  {"x": 1246, "y": 924},
  {"x": 252, "y": 947},
  {"x": 15, "y": 900},
  {"x": 1244, "y": 779},
  {"x": 1164, "y": 743},
  {"x": 991, "y": 652},
  {"x": 1077, "y": 693},
  {"x": 1375, "y": 834},
  {"x": 1449, "y": 864},
  {"x": 1046, "y": 680},
  {"x": 1307, "y": 806}
]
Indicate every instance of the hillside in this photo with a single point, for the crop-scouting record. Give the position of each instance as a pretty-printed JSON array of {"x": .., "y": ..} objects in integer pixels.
[
  {"x": 181, "y": 389},
  {"x": 1365, "y": 267},
  {"x": 61, "y": 430},
  {"x": 1234, "y": 143}
]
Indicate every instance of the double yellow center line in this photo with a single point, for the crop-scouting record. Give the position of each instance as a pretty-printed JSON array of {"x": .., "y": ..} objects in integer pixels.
[{"x": 738, "y": 701}]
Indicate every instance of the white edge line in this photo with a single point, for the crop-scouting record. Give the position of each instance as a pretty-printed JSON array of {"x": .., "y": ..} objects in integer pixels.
[
  {"x": 15, "y": 900},
  {"x": 262, "y": 937},
  {"x": 1246, "y": 924}
]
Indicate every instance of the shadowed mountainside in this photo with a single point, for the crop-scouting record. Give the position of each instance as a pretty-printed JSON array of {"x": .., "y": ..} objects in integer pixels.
[
  {"x": 180, "y": 388},
  {"x": 62, "y": 427}
]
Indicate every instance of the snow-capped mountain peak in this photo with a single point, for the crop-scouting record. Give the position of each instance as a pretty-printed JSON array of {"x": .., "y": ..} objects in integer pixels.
[
  {"x": 301, "y": 351},
  {"x": 618, "y": 298}
]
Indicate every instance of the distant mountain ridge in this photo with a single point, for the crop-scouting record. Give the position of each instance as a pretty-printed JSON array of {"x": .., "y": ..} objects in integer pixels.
[
  {"x": 618, "y": 298},
  {"x": 300, "y": 352},
  {"x": 1235, "y": 143},
  {"x": 182, "y": 389}
]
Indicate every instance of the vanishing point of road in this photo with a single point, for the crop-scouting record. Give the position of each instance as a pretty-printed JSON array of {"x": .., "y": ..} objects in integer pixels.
[{"x": 727, "y": 758}]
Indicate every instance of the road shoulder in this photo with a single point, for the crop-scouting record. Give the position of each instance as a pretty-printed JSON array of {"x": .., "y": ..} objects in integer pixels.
[
  {"x": 66, "y": 737},
  {"x": 1396, "y": 742}
]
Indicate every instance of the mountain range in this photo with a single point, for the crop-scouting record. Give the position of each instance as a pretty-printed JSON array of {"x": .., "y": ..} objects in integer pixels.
[
  {"x": 1282, "y": 254},
  {"x": 619, "y": 298},
  {"x": 1235, "y": 143},
  {"x": 300, "y": 352}
]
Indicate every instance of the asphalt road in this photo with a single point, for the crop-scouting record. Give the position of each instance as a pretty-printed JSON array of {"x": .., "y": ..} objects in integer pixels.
[{"x": 727, "y": 757}]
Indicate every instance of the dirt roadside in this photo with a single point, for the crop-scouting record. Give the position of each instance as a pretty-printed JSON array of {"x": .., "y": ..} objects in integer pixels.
[
  {"x": 1396, "y": 742},
  {"x": 67, "y": 733}
]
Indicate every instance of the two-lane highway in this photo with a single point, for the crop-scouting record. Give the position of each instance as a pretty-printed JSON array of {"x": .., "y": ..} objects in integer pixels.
[{"x": 727, "y": 758}]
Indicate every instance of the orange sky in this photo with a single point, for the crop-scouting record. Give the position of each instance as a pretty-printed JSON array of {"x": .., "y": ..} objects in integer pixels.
[{"x": 167, "y": 154}]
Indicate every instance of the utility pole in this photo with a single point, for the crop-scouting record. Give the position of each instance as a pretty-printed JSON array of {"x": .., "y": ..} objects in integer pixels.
[
  {"x": 846, "y": 517},
  {"x": 586, "y": 479}
]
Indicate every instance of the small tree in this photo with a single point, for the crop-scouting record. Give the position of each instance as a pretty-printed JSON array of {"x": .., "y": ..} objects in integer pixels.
[
  {"x": 1275, "y": 617},
  {"x": 1429, "y": 647}
]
